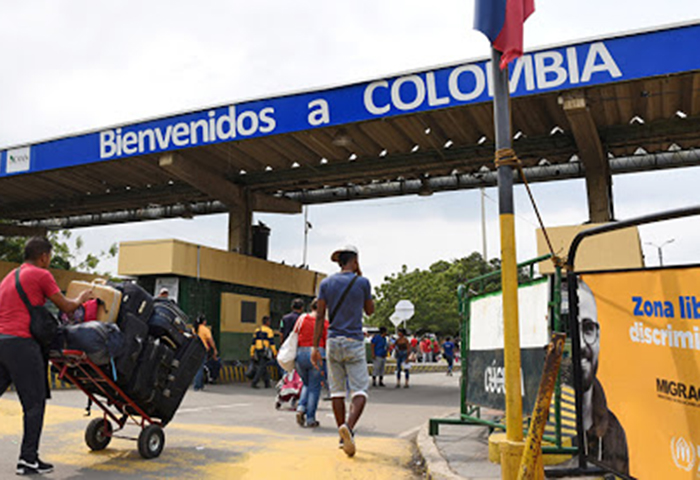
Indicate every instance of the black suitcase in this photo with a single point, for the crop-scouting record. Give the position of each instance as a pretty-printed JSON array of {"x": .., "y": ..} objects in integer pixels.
[
  {"x": 101, "y": 341},
  {"x": 135, "y": 337},
  {"x": 168, "y": 323},
  {"x": 151, "y": 375},
  {"x": 135, "y": 300},
  {"x": 187, "y": 361}
]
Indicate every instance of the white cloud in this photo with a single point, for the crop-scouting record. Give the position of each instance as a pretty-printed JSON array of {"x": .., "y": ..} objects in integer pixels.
[{"x": 79, "y": 64}]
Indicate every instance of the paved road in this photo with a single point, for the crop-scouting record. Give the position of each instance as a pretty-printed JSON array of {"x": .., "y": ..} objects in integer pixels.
[{"x": 232, "y": 431}]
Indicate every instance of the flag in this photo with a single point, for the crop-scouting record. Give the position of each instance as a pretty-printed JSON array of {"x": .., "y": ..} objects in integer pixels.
[{"x": 502, "y": 22}]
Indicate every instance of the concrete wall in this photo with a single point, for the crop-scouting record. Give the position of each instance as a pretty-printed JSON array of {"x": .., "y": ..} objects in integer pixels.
[
  {"x": 179, "y": 258},
  {"x": 63, "y": 277},
  {"x": 610, "y": 251},
  {"x": 232, "y": 337}
]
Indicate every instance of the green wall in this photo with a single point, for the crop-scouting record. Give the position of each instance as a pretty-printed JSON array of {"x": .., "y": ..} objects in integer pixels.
[{"x": 204, "y": 297}]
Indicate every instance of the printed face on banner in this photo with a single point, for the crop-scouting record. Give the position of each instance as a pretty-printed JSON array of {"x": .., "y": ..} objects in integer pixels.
[
  {"x": 589, "y": 330},
  {"x": 645, "y": 394}
]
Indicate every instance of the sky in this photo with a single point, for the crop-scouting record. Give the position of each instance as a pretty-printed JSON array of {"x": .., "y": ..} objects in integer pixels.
[{"x": 73, "y": 66}]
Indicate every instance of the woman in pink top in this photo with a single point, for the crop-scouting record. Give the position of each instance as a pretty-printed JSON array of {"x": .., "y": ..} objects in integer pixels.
[{"x": 311, "y": 376}]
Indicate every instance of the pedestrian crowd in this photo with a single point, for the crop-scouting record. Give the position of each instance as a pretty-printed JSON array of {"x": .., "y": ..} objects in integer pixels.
[{"x": 328, "y": 357}]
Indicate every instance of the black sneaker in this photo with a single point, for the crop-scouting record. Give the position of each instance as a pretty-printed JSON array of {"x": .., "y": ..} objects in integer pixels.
[{"x": 28, "y": 468}]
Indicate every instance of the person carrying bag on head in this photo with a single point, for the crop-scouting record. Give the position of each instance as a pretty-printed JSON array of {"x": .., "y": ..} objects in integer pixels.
[{"x": 23, "y": 293}]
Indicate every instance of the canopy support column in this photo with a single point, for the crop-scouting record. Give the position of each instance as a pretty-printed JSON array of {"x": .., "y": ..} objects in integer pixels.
[{"x": 592, "y": 154}]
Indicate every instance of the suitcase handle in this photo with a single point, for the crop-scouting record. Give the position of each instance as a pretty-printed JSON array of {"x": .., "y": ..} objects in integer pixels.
[{"x": 101, "y": 281}]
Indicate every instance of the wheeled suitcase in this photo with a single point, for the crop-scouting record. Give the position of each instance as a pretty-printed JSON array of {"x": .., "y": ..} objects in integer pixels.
[
  {"x": 169, "y": 323},
  {"x": 135, "y": 338},
  {"x": 188, "y": 358},
  {"x": 135, "y": 300},
  {"x": 111, "y": 298},
  {"x": 150, "y": 376}
]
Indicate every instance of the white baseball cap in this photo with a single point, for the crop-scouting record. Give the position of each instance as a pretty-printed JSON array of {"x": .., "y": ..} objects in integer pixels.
[{"x": 347, "y": 248}]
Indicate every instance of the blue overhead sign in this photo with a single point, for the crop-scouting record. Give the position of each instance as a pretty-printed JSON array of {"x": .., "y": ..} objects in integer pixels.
[{"x": 578, "y": 65}]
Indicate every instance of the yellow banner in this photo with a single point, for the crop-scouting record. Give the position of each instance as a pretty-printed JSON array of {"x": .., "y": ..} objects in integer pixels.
[{"x": 640, "y": 358}]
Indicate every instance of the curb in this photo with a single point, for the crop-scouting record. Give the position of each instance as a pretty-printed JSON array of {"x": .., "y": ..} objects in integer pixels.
[
  {"x": 436, "y": 467},
  {"x": 236, "y": 374},
  {"x": 390, "y": 368}
]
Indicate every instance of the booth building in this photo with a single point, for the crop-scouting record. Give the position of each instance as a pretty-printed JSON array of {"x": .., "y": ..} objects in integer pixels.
[{"x": 233, "y": 291}]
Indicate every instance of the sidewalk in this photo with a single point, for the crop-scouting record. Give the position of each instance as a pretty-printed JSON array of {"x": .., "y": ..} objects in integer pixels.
[
  {"x": 461, "y": 452},
  {"x": 458, "y": 452}
]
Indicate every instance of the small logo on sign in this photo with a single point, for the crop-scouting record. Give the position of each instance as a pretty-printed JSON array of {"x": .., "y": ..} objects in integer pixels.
[
  {"x": 18, "y": 160},
  {"x": 683, "y": 453}
]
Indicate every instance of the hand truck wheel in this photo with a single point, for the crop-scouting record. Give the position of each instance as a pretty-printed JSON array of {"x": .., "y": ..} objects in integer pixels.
[
  {"x": 151, "y": 441},
  {"x": 98, "y": 434}
]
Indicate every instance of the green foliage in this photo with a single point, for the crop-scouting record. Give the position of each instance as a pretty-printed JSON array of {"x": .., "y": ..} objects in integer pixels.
[
  {"x": 67, "y": 252},
  {"x": 12, "y": 249},
  {"x": 433, "y": 293}
]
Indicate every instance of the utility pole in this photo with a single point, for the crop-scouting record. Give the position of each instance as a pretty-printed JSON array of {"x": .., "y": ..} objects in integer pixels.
[
  {"x": 659, "y": 249},
  {"x": 484, "y": 252},
  {"x": 511, "y": 450},
  {"x": 306, "y": 233}
]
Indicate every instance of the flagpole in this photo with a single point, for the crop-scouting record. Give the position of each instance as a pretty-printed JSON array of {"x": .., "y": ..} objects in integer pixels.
[{"x": 511, "y": 450}]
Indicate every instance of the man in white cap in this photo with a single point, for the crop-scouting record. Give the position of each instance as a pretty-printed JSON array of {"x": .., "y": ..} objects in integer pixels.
[{"x": 345, "y": 296}]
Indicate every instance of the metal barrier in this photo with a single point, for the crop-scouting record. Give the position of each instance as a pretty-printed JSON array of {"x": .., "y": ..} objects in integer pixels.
[
  {"x": 586, "y": 464},
  {"x": 470, "y": 414}
]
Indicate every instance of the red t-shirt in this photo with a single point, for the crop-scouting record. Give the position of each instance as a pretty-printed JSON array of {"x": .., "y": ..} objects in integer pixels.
[
  {"x": 307, "y": 324},
  {"x": 38, "y": 284}
]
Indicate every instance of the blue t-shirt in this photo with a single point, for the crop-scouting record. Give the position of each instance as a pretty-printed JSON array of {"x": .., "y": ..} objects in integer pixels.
[
  {"x": 379, "y": 345},
  {"x": 449, "y": 348},
  {"x": 348, "y": 320}
]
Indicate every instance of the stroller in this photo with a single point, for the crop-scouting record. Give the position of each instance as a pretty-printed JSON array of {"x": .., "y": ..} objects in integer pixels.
[{"x": 288, "y": 390}]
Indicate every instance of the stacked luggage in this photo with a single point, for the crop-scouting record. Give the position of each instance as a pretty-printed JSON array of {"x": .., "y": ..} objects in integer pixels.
[{"x": 150, "y": 351}]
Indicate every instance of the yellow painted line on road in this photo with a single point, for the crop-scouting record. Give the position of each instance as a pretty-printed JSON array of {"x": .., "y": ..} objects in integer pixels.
[
  {"x": 11, "y": 414},
  {"x": 195, "y": 451},
  {"x": 319, "y": 458}
]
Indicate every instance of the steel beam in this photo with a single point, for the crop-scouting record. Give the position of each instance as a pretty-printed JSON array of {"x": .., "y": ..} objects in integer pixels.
[
  {"x": 59, "y": 216},
  {"x": 592, "y": 154},
  {"x": 11, "y": 230},
  {"x": 216, "y": 186}
]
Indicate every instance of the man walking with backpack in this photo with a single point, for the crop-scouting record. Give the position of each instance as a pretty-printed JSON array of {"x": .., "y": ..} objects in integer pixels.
[
  {"x": 262, "y": 350},
  {"x": 345, "y": 296}
]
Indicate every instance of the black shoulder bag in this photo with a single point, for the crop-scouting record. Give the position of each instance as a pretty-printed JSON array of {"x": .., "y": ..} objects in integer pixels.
[
  {"x": 43, "y": 324},
  {"x": 331, "y": 315}
]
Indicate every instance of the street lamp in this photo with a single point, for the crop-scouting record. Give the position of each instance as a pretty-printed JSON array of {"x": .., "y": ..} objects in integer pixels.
[{"x": 659, "y": 249}]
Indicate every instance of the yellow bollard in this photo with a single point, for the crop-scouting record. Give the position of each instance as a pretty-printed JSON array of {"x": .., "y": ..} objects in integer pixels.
[
  {"x": 510, "y": 459},
  {"x": 511, "y": 453},
  {"x": 532, "y": 467}
]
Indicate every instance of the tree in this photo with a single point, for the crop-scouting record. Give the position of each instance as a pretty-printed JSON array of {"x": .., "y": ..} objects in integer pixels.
[
  {"x": 433, "y": 293},
  {"x": 67, "y": 252}
]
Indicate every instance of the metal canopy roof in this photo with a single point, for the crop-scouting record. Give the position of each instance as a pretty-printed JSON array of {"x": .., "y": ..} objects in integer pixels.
[{"x": 643, "y": 123}]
